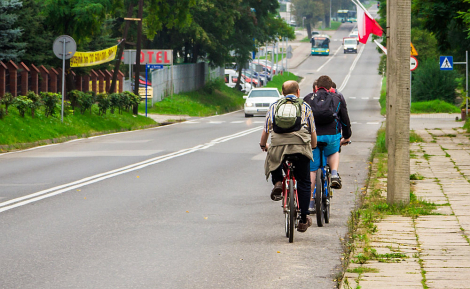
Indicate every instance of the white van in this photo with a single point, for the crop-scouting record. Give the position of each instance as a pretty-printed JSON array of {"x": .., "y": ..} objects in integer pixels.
[
  {"x": 231, "y": 80},
  {"x": 350, "y": 44}
]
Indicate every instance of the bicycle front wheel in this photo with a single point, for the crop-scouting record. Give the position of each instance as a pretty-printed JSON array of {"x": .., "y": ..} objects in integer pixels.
[
  {"x": 318, "y": 198},
  {"x": 327, "y": 198},
  {"x": 292, "y": 211}
]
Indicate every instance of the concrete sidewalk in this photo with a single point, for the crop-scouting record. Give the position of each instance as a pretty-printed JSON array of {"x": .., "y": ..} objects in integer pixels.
[{"x": 431, "y": 251}]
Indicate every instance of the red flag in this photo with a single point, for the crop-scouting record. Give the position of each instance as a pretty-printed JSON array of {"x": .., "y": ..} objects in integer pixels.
[{"x": 366, "y": 25}]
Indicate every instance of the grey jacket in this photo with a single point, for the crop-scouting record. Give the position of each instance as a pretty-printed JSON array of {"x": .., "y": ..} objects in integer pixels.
[{"x": 287, "y": 144}]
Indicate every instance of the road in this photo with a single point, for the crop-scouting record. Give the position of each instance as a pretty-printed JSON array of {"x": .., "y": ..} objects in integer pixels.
[{"x": 179, "y": 206}]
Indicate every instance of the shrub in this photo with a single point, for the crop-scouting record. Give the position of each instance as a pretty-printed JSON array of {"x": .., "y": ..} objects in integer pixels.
[
  {"x": 114, "y": 100},
  {"x": 124, "y": 101},
  {"x": 35, "y": 101},
  {"x": 2, "y": 112},
  {"x": 75, "y": 97},
  {"x": 103, "y": 103},
  {"x": 434, "y": 106},
  {"x": 50, "y": 101},
  {"x": 431, "y": 83},
  {"x": 134, "y": 100},
  {"x": 86, "y": 101},
  {"x": 7, "y": 100},
  {"x": 22, "y": 103}
]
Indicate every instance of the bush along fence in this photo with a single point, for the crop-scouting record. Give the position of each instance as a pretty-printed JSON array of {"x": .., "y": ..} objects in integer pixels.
[
  {"x": 18, "y": 79},
  {"x": 79, "y": 102}
]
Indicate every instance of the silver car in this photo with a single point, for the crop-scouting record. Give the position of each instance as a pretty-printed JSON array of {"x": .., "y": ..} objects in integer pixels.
[{"x": 259, "y": 100}]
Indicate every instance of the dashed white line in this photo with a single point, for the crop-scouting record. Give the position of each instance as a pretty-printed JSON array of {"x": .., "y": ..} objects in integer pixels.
[
  {"x": 216, "y": 122},
  {"x": 21, "y": 201},
  {"x": 238, "y": 121},
  {"x": 345, "y": 82},
  {"x": 376, "y": 97},
  {"x": 319, "y": 68},
  {"x": 364, "y": 98},
  {"x": 372, "y": 123},
  {"x": 352, "y": 97}
]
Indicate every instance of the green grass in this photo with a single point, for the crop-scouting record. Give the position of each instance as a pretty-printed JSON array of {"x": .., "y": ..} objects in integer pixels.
[
  {"x": 416, "y": 177},
  {"x": 433, "y": 106},
  {"x": 214, "y": 98},
  {"x": 362, "y": 270},
  {"x": 380, "y": 145},
  {"x": 305, "y": 39},
  {"x": 383, "y": 97},
  {"x": 278, "y": 80},
  {"x": 467, "y": 125},
  {"x": 16, "y": 130},
  {"x": 334, "y": 26},
  {"x": 414, "y": 137},
  {"x": 277, "y": 57}
]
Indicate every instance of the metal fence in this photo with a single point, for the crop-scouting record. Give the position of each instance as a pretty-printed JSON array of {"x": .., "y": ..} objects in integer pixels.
[{"x": 186, "y": 77}]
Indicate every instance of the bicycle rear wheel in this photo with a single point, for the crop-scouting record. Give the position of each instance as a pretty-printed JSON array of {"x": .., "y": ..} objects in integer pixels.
[
  {"x": 292, "y": 211},
  {"x": 326, "y": 199},
  {"x": 318, "y": 198}
]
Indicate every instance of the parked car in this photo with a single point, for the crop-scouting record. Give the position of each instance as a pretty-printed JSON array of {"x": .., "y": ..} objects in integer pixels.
[
  {"x": 259, "y": 100},
  {"x": 249, "y": 77},
  {"x": 231, "y": 80}
]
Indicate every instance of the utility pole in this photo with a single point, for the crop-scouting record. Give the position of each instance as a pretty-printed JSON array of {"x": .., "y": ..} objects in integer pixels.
[
  {"x": 137, "y": 56},
  {"x": 112, "y": 88},
  {"x": 398, "y": 107}
]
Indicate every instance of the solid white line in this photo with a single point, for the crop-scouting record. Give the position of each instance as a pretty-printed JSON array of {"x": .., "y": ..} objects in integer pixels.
[
  {"x": 238, "y": 121},
  {"x": 345, "y": 82},
  {"x": 352, "y": 97},
  {"x": 21, "y": 201},
  {"x": 319, "y": 68},
  {"x": 372, "y": 123}
]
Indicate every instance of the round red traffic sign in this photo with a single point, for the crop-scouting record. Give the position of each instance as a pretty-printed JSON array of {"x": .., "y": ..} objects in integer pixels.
[{"x": 413, "y": 63}]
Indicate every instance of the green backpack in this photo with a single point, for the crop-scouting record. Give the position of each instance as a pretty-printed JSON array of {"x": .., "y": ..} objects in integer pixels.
[{"x": 288, "y": 115}]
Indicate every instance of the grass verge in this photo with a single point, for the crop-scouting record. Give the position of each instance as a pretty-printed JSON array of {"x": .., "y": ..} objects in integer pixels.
[
  {"x": 279, "y": 79},
  {"x": 433, "y": 106},
  {"x": 17, "y": 131},
  {"x": 467, "y": 125},
  {"x": 383, "y": 97},
  {"x": 214, "y": 98}
]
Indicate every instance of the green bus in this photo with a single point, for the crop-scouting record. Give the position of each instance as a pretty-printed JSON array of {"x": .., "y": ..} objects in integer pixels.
[
  {"x": 347, "y": 16},
  {"x": 320, "y": 45}
]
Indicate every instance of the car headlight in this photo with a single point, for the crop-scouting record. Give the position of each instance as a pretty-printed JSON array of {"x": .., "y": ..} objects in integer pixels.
[{"x": 249, "y": 104}]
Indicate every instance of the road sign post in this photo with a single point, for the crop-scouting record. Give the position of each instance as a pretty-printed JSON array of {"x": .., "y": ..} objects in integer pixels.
[
  {"x": 147, "y": 67},
  {"x": 64, "y": 47},
  {"x": 447, "y": 63}
]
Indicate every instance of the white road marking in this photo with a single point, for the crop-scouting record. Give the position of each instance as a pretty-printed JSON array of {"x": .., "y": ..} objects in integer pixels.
[
  {"x": 372, "y": 123},
  {"x": 82, "y": 154},
  {"x": 352, "y": 97},
  {"x": 238, "y": 121},
  {"x": 364, "y": 98},
  {"x": 216, "y": 122},
  {"x": 319, "y": 68},
  {"x": 345, "y": 82},
  {"x": 355, "y": 122},
  {"x": 21, "y": 201},
  {"x": 376, "y": 97},
  {"x": 191, "y": 122}
]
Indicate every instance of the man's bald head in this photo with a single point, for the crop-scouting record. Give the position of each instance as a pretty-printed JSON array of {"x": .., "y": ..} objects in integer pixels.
[{"x": 290, "y": 87}]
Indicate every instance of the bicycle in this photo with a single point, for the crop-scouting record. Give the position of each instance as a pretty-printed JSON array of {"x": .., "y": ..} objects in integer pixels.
[
  {"x": 322, "y": 200},
  {"x": 290, "y": 202}
]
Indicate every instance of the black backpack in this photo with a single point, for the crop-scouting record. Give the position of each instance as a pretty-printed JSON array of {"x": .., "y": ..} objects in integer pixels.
[{"x": 324, "y": 110}]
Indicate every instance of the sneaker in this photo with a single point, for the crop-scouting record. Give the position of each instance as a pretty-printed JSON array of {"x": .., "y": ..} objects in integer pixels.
[
  {"x": 336, "y": 182},
  {"x": 276, "y": 193},
  {"x": 311, "y": 207},
  {"x": 302, "y": 227}
]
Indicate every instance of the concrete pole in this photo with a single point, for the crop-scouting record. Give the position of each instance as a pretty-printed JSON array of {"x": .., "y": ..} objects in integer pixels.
[{"x": 398, "y": 109}]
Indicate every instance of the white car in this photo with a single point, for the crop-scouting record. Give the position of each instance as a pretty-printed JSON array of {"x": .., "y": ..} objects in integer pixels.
[
  {"x": 355, "y": 34},
  {"x": 259, "y": 100}
]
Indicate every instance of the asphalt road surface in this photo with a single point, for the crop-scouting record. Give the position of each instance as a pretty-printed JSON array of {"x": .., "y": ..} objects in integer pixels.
[{"x": 180, "y": 206}]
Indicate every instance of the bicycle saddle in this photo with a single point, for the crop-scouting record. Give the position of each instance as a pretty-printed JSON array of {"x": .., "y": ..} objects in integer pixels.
[
  {"x": 321, "y": 144},
  {"x": 291, "y": 158}
]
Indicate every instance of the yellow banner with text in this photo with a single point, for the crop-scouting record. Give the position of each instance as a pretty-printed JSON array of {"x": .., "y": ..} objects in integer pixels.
[{"x": 82, "y": 59}]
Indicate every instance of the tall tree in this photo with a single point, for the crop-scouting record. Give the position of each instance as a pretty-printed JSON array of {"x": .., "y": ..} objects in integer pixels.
[
  {"x": 38, "y": 40},
  {"x": 312, "y": 10},
  {"x": 10, "y": 47}
]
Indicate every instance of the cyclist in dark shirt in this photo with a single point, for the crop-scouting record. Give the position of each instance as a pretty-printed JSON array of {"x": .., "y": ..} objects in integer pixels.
[{"x": 335, "y": 133}]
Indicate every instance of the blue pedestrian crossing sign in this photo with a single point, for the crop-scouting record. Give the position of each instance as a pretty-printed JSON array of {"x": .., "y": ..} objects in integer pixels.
[{"x": 446, "y": 62}]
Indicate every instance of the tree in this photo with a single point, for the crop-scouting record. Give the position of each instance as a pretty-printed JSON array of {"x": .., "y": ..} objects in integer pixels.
[
  {"x": 312, "y": 10},
  {"x": 37, "y": 39},
  {"x": 10, "y": 48}
]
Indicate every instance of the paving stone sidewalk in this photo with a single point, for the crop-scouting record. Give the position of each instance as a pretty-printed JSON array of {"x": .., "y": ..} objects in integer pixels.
[{"x": 433, "y": 251}]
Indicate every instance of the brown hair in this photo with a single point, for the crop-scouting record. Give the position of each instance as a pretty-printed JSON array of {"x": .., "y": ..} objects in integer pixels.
[
  {"x": 333, "y": 85},
  {"x": 325, "y": 82},
  {"x": 290, "y": 87},
  {"x": 315, "y": 83}
]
